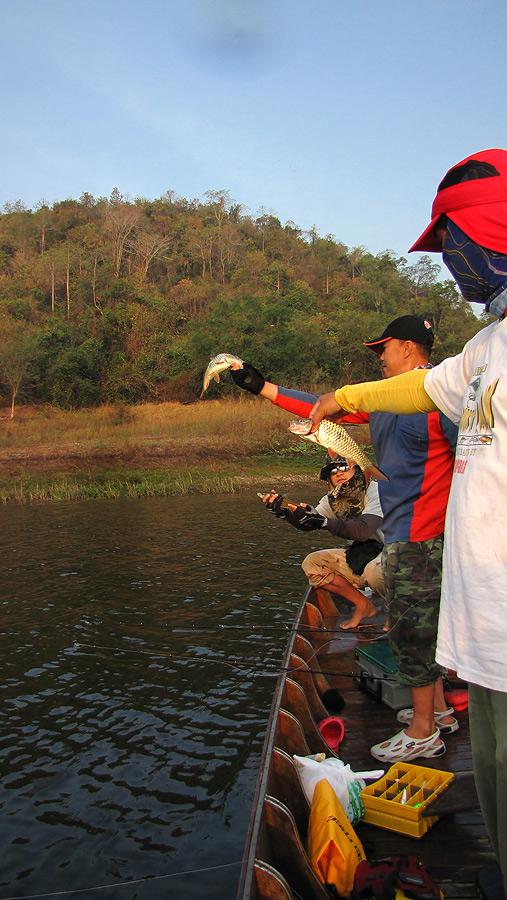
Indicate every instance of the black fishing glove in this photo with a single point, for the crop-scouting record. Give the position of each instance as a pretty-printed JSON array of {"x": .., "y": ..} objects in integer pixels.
[
  {"x": 275, "y": 506},
  {"x": 305, "y": 518},
  {"x": 249, "y": 378}
]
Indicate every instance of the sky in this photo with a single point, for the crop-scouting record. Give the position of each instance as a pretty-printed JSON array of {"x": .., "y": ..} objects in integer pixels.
[{"x": 343, "y": 116}]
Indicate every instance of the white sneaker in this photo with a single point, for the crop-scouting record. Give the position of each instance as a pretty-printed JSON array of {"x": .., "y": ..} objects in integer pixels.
[
  {"x": 402, "y": 747},
  {"x": 405, "y": 716}
]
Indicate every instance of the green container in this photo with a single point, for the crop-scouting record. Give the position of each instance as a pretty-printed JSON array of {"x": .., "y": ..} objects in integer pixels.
[{"x": 377, "y": 674}]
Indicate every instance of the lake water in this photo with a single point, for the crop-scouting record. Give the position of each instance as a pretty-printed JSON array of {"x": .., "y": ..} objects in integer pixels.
[{"x": 140, "y": 642}]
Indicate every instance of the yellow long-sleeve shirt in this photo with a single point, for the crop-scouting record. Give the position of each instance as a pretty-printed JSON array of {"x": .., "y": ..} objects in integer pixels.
[{"x": 402, "y": 394}]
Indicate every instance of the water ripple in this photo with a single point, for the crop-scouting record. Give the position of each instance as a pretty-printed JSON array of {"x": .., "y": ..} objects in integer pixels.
[{"x": 135, "y": 648}]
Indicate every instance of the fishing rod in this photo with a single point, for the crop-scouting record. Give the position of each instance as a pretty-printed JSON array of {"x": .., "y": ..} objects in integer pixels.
[{"x": 274, "y": 671}]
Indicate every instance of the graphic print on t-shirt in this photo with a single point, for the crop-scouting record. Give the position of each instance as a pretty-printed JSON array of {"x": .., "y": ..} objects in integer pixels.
[{"x": 478, "y": 418}]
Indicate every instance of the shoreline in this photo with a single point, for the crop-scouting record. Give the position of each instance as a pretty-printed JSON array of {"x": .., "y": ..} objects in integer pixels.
[
  {"x": 154, "y": 450},
  {"x": 53, "y": 480}
]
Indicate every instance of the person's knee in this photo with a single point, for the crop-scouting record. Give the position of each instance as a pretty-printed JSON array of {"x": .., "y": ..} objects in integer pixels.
[
  {"x": 309, "y": 563},
  {"x": 373, "y": 577}
]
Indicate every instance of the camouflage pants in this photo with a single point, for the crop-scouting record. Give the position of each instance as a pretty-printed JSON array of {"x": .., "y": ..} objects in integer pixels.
[{"x": 412, "y": 576}]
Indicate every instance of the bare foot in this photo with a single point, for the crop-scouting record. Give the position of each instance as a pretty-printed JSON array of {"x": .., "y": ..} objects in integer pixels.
[{"x": 362, "y": 611}]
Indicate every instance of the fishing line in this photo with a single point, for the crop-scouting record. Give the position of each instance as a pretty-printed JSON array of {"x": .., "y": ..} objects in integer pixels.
[
  {"x": 147, "y": 878},
  {"x": 178, "y": 629},
  {"x": 208, "y": 629},
  {"x": 233, "y": 664},
  {"x": 273, "y": 672}
]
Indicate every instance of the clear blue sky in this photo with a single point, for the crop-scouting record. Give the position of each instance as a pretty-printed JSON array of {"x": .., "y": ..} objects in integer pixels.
[{"x": 340, "y": 115}]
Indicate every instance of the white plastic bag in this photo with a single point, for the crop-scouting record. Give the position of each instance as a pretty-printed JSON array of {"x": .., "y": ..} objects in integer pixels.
[{"x": 346, "y": 784}]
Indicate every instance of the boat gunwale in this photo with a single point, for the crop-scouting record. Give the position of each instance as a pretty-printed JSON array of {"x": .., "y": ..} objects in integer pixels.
[{"x": 248, "y": 866}]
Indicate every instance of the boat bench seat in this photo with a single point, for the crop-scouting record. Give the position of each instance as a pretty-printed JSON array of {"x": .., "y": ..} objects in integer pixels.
[{"x": 287, "y": 848}]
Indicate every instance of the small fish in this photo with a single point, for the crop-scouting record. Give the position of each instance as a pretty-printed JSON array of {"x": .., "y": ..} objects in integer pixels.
[
  {"x": 216, "y": 365},
  {"x": 334, "y": 437}
]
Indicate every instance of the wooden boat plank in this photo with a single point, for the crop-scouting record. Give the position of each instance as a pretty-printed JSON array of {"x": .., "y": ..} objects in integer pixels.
[
  {"x": 269, "y": 884},
  {"x": 256, "y": 831},
  {"x": 290, "y": 736},
  {"x": 290, "y": 853},
  {"x": 299, "y": 672},
  {"x": 285, "y": 781},
  {"x": 306, "y": 651},
  {"x": 294, "y": 700}
]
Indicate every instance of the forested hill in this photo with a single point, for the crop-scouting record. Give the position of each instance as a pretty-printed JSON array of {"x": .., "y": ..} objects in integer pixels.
[{"x": 120, "y": 300}]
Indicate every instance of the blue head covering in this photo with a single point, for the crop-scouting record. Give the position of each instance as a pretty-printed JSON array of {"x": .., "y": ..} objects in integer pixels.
[{"x": 481, "y": 274}]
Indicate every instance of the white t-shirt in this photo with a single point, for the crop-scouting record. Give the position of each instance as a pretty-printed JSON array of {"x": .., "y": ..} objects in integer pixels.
[{"x": 471, "y": 389}]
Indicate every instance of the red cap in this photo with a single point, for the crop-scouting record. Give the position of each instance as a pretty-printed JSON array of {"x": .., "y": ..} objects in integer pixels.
[{"x": 477, "y": 206}]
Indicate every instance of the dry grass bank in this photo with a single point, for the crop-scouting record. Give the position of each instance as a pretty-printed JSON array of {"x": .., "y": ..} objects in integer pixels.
[
  {"x": 165, "y": 448},
  {"x": 217, "y": 426}
]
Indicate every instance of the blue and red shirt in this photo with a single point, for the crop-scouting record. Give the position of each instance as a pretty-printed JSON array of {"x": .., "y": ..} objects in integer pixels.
[{"x": 416, "y": 453}]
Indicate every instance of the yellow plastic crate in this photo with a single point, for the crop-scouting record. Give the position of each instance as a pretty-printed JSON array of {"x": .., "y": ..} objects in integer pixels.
[{"x": 397, "y": 800}]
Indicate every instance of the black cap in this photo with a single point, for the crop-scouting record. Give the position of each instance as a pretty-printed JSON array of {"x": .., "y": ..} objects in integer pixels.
[{"x": 405, "y": 328}]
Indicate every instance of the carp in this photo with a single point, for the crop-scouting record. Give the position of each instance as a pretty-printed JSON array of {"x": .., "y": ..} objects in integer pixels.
[
  {"x": 334, "y": 437},
  {"x": 218, "y": 364}
]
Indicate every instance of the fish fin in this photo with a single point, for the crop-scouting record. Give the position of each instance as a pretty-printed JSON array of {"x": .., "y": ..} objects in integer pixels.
[
  {"x": 216, "y": 378},
  {"x": 375, "y": 473}
]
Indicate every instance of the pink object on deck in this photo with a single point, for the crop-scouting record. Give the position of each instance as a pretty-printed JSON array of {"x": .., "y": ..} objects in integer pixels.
[
  {"x": 457, "y": 698},
  {"x": 332, "y": 730}
]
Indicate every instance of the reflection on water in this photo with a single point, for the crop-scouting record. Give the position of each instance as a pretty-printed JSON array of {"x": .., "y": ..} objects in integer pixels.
[{"x": 140, "y": 641}]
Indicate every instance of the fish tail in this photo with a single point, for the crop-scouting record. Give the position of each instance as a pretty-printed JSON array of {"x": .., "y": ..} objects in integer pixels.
[{"x": 374, "y": 472}]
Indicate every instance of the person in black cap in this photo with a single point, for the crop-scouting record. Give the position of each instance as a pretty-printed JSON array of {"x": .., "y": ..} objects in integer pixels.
[
  {"x": 417, "y": 455},
  {"x": 469, "y": 226},
  {"x": 405, "y": 328}
]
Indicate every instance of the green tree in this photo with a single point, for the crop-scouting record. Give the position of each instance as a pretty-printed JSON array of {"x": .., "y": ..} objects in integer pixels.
[{"x": 16, "y": 357}]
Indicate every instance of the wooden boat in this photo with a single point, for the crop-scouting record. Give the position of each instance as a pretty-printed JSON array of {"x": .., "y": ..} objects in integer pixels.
[{"x": 320, "y": 656}]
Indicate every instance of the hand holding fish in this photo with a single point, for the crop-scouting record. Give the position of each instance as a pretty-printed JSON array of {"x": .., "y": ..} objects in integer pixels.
[
  {"x": 303, "y": 517},
  {"x": 326, "y": 407},
  {"x": 245, "y": 375},
  {"x": 249, "y": 378},
  {"x": 274, "y": 503}
]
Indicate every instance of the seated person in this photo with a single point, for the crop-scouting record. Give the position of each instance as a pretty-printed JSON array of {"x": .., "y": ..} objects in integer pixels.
[{"x": 349, "y": 510}]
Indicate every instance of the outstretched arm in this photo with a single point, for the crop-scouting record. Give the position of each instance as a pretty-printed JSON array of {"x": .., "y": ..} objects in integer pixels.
[
  {"x": 250, "y": 379},
  {"x": 299, "y": 403},
  {"x": 309, "y": 518},
  {"x": 401, "y": 394}
]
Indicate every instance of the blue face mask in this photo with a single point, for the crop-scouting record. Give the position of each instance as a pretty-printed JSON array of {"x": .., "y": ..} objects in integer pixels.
[{"x": 481, "y": 274}]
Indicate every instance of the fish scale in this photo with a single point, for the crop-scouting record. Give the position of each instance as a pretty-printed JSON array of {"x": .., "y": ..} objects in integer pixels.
[{"x": 334, "y": 437}]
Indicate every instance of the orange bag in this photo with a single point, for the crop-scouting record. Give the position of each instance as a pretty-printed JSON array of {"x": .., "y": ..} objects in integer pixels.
[{"x": 334, "y": 848}]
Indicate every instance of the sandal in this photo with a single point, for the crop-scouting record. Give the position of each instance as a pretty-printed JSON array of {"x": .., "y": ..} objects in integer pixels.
[
  {"x": 402, "y": 747},
  {"x": 405, "y": 717}
]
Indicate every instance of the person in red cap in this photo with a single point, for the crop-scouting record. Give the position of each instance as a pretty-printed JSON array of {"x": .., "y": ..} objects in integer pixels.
[{"x": 469, "y": 226}]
